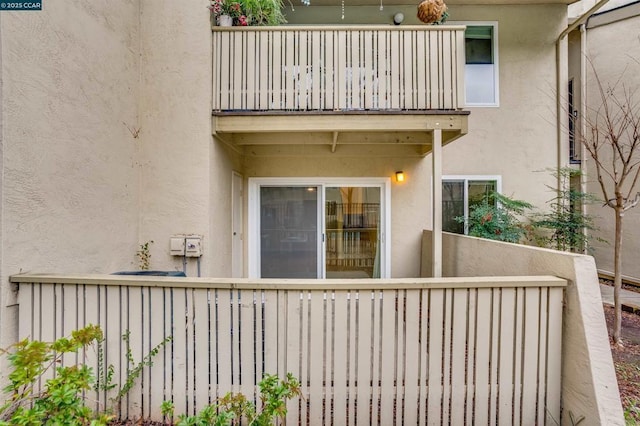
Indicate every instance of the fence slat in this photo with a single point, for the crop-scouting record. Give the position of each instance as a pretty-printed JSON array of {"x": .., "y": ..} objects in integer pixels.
[
  {"x": 134, "y": 325},
  {"x": 483, "y": 322},
  {"x": 411, "y": 365},
  {"x": 436, "y": 349},
  {"x": 554, "y": 342},
  {"x": 389, "y": 343},
  {"x": 542, "y": 356},
  {"x": 530, "y": 342},
  {"x": 202, "y": 346},
  {"x": 157, "y": 318},
  {"x": 340, "y": 378},
  {"x": 365, "y": 359},
  {"x": 506, "y": 367},
  {"x": 458, "y": 355},
  {"x": 294, "y": 351}
]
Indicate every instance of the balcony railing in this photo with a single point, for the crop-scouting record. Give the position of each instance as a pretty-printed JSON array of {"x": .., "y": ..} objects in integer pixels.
[
  {"x": 338, "y": 68},
  {"x": 403, "y": 351}
]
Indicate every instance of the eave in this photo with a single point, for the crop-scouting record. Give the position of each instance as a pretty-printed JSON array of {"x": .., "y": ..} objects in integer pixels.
[{"x": 361, "y": 133}]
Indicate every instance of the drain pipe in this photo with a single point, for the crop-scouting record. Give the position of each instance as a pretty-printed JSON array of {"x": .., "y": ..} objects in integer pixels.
[
  {"x": 560, "y": 116},
  {"x": 583, "y": 123}
]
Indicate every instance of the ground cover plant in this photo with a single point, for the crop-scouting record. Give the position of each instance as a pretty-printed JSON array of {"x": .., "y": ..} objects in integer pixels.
[{"x": 43, "y": 391}]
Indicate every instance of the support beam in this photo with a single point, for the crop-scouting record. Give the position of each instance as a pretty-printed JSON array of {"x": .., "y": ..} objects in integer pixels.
[
  {"x": 335, "y": 141},
  {"x": 436, "y": 203}
]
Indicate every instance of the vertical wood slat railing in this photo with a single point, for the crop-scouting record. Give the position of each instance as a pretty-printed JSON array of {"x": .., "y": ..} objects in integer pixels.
[
  {"x": 402, "y": 351},
  {"x": 338, "y": 68}
]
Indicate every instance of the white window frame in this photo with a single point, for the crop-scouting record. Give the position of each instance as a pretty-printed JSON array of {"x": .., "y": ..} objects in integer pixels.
[
  {"x": 466, "y": 179},
  {"x": 253, "y": 225},
  {"x": 496, "y": 63}
]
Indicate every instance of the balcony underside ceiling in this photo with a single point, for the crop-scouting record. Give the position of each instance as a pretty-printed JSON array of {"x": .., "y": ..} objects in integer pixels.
[{"x": 352, "y": 133}]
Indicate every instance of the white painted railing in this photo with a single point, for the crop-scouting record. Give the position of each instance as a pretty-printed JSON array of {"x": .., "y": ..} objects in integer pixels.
[
  {"x": 338, "y": 68},
  {"x": 402, "y": 351}
]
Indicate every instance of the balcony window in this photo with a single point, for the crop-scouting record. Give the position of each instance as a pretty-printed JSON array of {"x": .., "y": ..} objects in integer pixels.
[{"x": 481, "y": 67}]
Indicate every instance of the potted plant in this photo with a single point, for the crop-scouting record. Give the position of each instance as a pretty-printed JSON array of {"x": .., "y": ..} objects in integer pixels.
[
  {"x": 226, "y": 13},
  {"x": 247, "y": 12},
  {"x": 264, "y": 12}
]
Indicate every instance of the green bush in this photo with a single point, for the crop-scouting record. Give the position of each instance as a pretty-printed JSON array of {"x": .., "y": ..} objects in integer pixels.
[
  {"x": 565, "y": 224},
  {"x": 496, "y": 217},
  {"x": 61, "y": 400},
  {"x": 274, "y": 394}
]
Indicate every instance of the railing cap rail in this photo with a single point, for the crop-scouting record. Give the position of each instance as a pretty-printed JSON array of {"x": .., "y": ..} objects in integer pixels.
[
  {"x": 346, "y": 28},
  {"x": 293, "y": 284}
]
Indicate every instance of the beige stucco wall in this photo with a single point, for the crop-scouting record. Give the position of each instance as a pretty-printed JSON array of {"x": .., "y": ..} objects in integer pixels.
[
  {"x": 186, "y": 179},
  {"x": 589, "y": 386},
  {"x": 70, "y": 161},
  {"x": 612, "y": 65},
  {"x": 517, "y": 140}
]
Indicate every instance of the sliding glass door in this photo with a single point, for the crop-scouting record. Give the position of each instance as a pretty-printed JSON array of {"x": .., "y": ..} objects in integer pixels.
[
  {"x": 289, "y": 223},
  {"x": 352, "y": 229},
  {"x": 315, "y": 228}
]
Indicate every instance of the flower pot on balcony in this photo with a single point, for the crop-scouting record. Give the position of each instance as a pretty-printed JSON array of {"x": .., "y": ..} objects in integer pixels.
[
  {"x": 432, "y": 11},
  {"x": 225, "y": 21}
]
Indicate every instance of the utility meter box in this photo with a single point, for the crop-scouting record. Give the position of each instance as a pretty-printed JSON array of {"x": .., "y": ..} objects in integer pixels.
[
  {"x": 177, "y": 245},
  {"x": 193, "y": 245}
]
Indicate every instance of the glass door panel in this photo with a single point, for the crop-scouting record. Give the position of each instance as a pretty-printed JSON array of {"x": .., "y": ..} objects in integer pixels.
[
  {"x": 288, "y": 232},
  {"x": 352, "y": 222}
]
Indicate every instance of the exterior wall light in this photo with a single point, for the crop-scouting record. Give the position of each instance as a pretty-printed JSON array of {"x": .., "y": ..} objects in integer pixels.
[
  {"x": 400, "y": 176},
  {"x": 398, "y": 18}
]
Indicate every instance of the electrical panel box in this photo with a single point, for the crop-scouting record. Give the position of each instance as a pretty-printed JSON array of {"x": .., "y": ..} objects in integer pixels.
[
  {"x": 193, "y": 245},
  {"x": 177, "y": 245}
]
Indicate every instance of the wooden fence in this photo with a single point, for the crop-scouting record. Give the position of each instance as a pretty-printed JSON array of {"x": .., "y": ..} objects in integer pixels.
[
  {"x": 396, "y": 351},
  {"x": 338, "y": 68}
]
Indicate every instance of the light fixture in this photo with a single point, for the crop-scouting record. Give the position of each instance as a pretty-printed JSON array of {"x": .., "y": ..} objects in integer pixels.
[
  {"x": 398, "y": 18},
  {"x": 400, "y": 176}
]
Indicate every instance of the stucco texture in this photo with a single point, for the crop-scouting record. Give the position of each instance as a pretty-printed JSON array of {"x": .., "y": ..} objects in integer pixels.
[
  {"x": 619, "y": 67},
  {"x": 69, "y": 107}
]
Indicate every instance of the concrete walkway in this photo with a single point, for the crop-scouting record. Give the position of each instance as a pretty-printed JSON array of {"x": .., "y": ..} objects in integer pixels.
[{"x": 630, "y": 299}]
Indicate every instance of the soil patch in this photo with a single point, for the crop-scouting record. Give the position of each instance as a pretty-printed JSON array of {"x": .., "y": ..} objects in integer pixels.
[{"x": 626, "y": 360}]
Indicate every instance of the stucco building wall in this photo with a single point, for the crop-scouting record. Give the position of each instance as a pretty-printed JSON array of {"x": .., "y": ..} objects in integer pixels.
[
  {"x": 619, "y": 64},
  {"x": 185, "y": 186},
  {"x": 69, "y": 153}
]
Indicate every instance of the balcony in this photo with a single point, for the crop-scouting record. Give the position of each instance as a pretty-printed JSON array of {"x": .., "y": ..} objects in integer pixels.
[
  {"x": 338, "y": 69},
  {"x": 345, "y": 85}
]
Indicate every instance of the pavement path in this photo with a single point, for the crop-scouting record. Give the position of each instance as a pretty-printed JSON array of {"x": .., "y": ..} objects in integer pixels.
[{"x": 629, "y": 299}]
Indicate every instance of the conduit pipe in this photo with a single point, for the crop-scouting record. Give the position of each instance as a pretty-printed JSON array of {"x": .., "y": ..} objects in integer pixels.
[{"x": 583, "y": 123}]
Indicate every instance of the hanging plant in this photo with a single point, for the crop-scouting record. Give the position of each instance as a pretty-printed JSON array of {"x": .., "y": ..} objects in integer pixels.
[{"x": 432, "y": 11}]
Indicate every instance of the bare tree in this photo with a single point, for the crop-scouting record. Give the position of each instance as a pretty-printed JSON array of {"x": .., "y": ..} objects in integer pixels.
[{"x": 613, "y": 141}]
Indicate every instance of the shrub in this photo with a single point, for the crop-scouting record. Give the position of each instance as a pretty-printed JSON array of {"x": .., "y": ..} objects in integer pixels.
[
  {"x": 496, "y": 217},
  {"x": 274, "y": 394}
]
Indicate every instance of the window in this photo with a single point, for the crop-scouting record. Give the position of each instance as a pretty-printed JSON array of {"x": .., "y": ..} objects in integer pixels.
[
  {"x": 481, "y": 69},
  {"x": 574, "y": 152},
  {"x": 460, "y": 194}
]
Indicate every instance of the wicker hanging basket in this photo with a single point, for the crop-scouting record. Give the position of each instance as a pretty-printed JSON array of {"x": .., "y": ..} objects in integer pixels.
[{"x": 431, "y": 11}]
